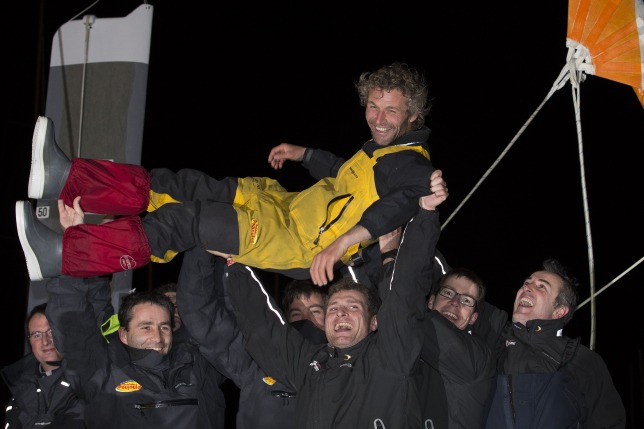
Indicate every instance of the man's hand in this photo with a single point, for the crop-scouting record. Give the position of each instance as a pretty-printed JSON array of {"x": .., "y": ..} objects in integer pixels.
[
  {"x": 438, "y": 186},
  {"x": 70, "y": 216},
  {"x": 284, "y": 152},
  {"x": 323, "y": 263}
]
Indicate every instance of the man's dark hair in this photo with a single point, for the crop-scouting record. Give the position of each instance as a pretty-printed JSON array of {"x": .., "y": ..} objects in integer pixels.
[
  {"x": 347, "y": 283},
  {"x": 407, "y": 80},
  {"x": 166, "y": 287},
  {"x": 569, "y": 293},
  {"x": 39, "y": 309},
  {"x": 135, "y": 298},
  {"x": 300, "y": 288},
  {"x": 468, "y": 274}
]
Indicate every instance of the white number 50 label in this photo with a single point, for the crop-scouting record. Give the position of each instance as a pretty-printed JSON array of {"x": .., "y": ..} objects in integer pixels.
[{"x": 42, "y": 212}]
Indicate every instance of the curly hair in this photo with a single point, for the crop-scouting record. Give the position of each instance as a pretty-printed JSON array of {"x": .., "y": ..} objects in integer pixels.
[{"x": 407, "y": 80}]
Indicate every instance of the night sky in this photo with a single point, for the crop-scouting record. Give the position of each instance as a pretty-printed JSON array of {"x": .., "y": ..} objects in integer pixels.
[{"x": 228, "y": 83}]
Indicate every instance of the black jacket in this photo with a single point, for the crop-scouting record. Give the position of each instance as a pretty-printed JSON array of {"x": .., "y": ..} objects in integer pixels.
[
  {"x": 265, "y": 402},
  {"x": 457, "y": 375},
  {"x": 546, "y": 379},
  {"x": 368, "y": 385},
  {"x": 126, "y": 387},
  {"x": 40, "y": 400},
  {"x": 457, "y": 379}
]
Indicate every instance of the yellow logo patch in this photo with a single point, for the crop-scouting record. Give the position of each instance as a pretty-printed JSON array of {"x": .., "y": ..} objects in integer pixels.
[
  {"x": 269, "y": 380},
  {"x": 254, "y": 225},
  {"x": 128, "y": 386}
]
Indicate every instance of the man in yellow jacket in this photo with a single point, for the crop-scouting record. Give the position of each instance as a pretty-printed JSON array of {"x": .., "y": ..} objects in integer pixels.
[{"x": 252, "y": 220}]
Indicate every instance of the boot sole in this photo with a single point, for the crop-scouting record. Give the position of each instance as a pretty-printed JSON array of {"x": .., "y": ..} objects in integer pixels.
[
  {"x": 37, "y": 172},
  {"x": 32, "y": 261}
]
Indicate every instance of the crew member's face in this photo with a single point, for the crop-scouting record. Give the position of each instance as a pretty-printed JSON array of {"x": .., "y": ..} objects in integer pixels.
[
  {"x": 177, "y": 317},
  {"x": 452, "y": 309},
  {"x": 43, "y": 348},
  {"x": 149, "y": 328},
  {"x": 311, "y": 308},
  {"x": 386, "y": 115},
  {"x": 347, "y": 321},
  {"x": 536, "y": 298}
]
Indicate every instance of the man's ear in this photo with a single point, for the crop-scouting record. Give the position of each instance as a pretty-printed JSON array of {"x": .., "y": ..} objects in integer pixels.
[
  {"x": 374, "y": 323},
  {"x": 430, "y": 302},
  {"x": 122, "y": 335},
  {"x": 473, "y": 317},
  {"x": 560, "y": 312}
]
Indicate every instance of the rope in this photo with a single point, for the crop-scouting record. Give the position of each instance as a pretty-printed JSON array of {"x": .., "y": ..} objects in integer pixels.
[
  {"x": 576, "y": 99},
  {"x": 578, "y": 63},
  {"x": 559, "y": 83},
  {"x": 612, "y": 282}
]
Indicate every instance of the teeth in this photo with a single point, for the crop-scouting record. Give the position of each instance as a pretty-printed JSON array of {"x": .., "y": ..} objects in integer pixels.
[
  {"x": 525, "y": 302},
  {"x": 450, "y": 315},
  {"x": 343, "y": 325},
  {"x": 381, "y": 129}
]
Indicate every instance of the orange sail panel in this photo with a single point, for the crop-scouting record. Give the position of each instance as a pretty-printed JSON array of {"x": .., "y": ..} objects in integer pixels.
[{"x": 609, "y": 31}]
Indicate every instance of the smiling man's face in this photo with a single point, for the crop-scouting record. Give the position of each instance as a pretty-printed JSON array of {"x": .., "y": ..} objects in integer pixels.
[
  {"x": 452, "y": 309},
  {"x": 150, "y": 328},
  {"x": 347, "y": 319},
  {"x": 43, "y": 348},
  {"x": 536, "y": 298}
]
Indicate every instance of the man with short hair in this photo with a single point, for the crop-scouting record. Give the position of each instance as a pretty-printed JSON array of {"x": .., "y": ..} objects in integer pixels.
[
  {"x": 41, "y": 394},
  {"x": 546, "y": 379},
  {"x": 363, "y": 376},
  {"x": 302, "y": 300},
  {"x": 267, "y": 400},
  {"x": 136, "y": 376},
  {"x": 457, "y": 370}
]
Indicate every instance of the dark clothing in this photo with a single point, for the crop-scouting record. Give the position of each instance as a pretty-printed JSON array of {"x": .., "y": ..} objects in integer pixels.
[
  {"x": 367, "y": 385},
  {"x": 546, "y": 379},
  {"x": 457, "y": 374},
  {"x": 265, "y": 402},
  {"x": 457, "y": 379},
  {"x": 40, "y": 400},
  {"x": 126, "y": 387}
]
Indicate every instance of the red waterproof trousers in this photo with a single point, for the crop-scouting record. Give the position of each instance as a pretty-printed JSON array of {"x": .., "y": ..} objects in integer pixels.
[{"x": 113, "y": 189}]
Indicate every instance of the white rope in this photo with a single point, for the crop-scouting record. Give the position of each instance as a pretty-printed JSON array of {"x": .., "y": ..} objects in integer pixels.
[
  {"x": 578, "y": 63},
  {"x": 559, "y": 83},
  {"x": 612, "y": 282},
  {"x": 576, "y": 100}
]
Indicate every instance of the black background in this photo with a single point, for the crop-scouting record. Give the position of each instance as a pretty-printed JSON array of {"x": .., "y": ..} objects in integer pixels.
[{"x": 229, "y": 82}]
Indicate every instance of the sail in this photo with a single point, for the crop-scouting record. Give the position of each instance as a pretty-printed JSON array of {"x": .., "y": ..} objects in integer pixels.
[{"x": 608, "y": 38}]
